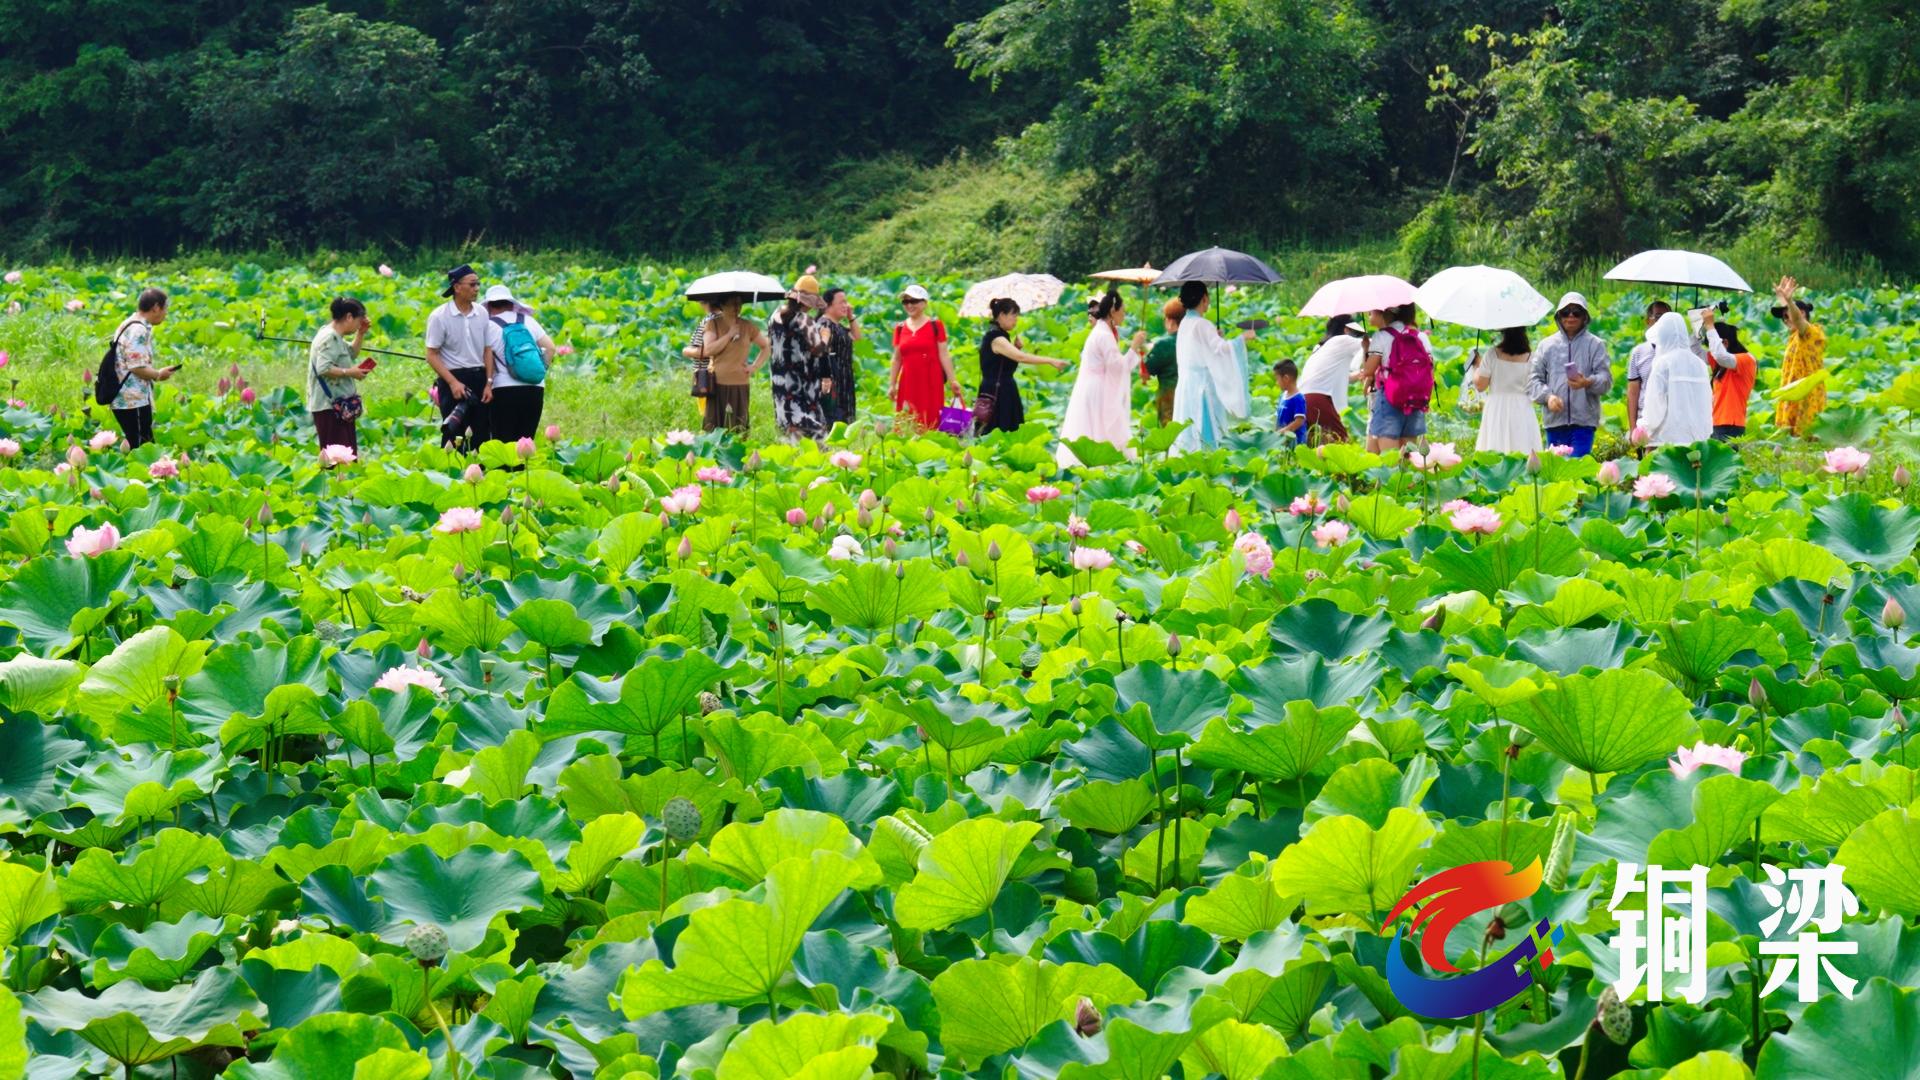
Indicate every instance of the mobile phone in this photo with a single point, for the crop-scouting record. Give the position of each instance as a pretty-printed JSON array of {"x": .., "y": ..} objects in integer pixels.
[
  {"x": 1572, "y": 369},
  {"x": 369, "y": 364}
]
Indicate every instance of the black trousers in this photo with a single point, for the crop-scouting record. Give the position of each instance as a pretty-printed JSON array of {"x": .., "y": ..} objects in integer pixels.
[
  {"x": 479, "y": 415},
  {"x": 1729, "y": 432},
  {"x": 136, "y": 425},
  {"x": 333, "y": 431},
  {"x": 516, "y": 412}
]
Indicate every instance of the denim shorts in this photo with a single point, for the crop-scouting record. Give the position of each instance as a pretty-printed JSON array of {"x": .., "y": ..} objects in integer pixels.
[{"x": 1387, "y": 422}]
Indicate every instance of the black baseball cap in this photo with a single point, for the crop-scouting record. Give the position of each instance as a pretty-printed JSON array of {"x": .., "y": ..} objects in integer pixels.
[
  {"x": 454, "y": 275},
  {"x": 1779, "y": 311}
]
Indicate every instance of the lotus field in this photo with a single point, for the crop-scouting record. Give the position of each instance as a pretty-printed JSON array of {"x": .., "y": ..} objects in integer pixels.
[{"x": 644, "y": 754}]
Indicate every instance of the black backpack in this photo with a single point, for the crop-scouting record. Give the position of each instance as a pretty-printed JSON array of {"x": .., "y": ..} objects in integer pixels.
[{"x": 106, "y": 380}]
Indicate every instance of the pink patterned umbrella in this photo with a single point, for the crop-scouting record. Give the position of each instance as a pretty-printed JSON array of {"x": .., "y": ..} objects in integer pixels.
[{"x": 1351, "y": 296}]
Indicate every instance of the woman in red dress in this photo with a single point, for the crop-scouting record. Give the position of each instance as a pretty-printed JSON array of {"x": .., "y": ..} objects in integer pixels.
[{"x": 922, "y": 367}]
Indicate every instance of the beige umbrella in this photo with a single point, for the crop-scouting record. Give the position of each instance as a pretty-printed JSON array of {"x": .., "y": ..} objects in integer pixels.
[
  {"x": 1030, "y": 291},
  {"x": 1139, "y": 275}
]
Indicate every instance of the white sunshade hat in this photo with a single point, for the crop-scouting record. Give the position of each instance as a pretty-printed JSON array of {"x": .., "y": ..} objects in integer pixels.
[
  {"x": 498, "y": 293},
  {"x": 1570, "y": 300},
  {"x": 914, "y": 292}
]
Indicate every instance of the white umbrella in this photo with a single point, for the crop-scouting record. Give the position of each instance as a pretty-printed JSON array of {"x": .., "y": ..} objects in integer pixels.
[
  {"x": 755, "y": 287},
  {"x": 1482, "y": 297},
  {"x": 1665, "y": 266},
  {"x": 1352, "y": 295},
  {"x": 1030, "y": 291}
]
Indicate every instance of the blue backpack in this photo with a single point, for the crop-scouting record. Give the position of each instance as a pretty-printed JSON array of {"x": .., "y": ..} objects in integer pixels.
[{"x": 523, "y": 357}]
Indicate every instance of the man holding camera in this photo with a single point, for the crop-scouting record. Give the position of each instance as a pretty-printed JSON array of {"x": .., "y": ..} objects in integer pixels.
[
  {"x": 458, "y": 353},
  {"x": 1806, "y": 353}
]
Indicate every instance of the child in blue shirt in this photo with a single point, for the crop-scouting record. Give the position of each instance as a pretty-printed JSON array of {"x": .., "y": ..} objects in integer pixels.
[{"x": 1293, "y": 404}]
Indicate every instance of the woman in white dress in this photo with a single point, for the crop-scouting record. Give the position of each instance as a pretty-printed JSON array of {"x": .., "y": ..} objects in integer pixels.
[
  {"x": 1100, "y": 406},
  {"x": 1211, "y": 395},
  {"x": 1676, "y": 406},
  {"x": 1507, "y": 421}
]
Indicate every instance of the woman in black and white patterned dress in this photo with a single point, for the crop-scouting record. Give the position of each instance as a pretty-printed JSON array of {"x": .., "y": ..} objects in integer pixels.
[{"x": 798, "y": 361}]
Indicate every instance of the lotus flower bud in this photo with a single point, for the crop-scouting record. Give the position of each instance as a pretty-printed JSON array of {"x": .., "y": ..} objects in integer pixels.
[
  {"x": 1086, "y": 1019},
  {"x": 753, "y": 461},
  {"x": 266, "y": 514},
  {"x": 868, "y": 500},
  {"x": 1609, "y": 473},
  {"x": 1613, "y": 1016},
  {"x": 423, "y": 650},
  {"x": 1231, "y": 522},
  {"x": 1901, "y": 476},
  {"x": 1119, "y": 616},
  {"x": 76, "y": 457},
  {"x": 820, "y": 523},
  {"x": 993, "y": 550},
  {"x": 1533, "y": 463},
  {"x": 1638, "y": 436},
  {"x": 891, "y": 549},
  {"x": 247, "y": 395},
  {"x": 234, "y": 371},
  {"x": 428, "y": 944},
  {"x": 966, "y": 458},
  {"x": 681, "y": 819},
  {"x": 1342, "y": 503},
  {"x": 899, "y": 570},
  {"x": 959, "y": 558},
  {"x": 506, "y": 514},
  {"x": 1893, "y": 616},
  {"x": 927, "y": 514},
  {"x": 959, "y": 506},
  {"x": 1173, "y": 645},
  {"x": 473, "y": 474},
  {"x": 96, "y": 493},
  {"x": 1435, "y": 621},
  {"x": 1757, "y": 695},
  {"x": 459, "y": 571},
  {"x": 685, "y": 550},
  {"x": 864, "y": 518}
]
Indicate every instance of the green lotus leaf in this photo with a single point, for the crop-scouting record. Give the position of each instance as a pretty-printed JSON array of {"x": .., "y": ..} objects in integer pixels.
[
  {"x": 832, "y": 1047},
  {"x": 238, "y": 681},
  {"x": 197, "y": 606},
  {"x": 599, "y": 606},
  {"x": 1725, "y": 808},
  {"x": 1892, "y": 668},
  {"x": 1859, "y": 530},
  {"x": 56, "y": 601},
  {"x": 1319, "y": 626},
  {"x": 782, "y": 575},
  {"x": 1494, "y": 565},
  {"x": 29, "y": 684},
  {"x": 1234, "y": 1051},
  {"x": 1680, "y": 1033},
  {"x": 388, "y": 723},
  {"x": 871, "y": 597},
  {"x": 998, "y": 1004},
  {"x": 457, "y": 623},
  {"x": 737, "y": 950},
  {"x": 461, "y": 894},
  {"x": 329, "y": 1047},
  {"x": 1609, "y": 722},
  {"x": 145, "y": 787},
  {"x": 1273, "y": 686},
  {"x": 1108, "y": 806},
  {"x": 27, "y": 897},
  {"x": 750, "y": 850},
  {"x": 662, "y": 688},
  {"x": 1788, "y": 558},
  {"x": 136, "y": 1026},
  {"x": 160, "y": 955},
  {"x": 1497, "y": 682},
  {"x": 1287, "y": 749},
  {"x": 1695, "y": 653},
  {"x": 551, "y": 624},
  {"x": 512, "y": 1002},
  {"x": 1146, "y": 956},
  {"x": 156, "y": 868},
  {"x": 1346, "y": 866},
  {"x": 1176, "y": 703},
  {"x": 604, "y": 841},
  {"x": 13, "y": 1037},
  {"x": 1713, "y": 479},
  {"x": 132, "y": 677},
  {"x": 961, "y": 872},
  {"x": 1238, "y": 906},
  {"x": 1571, "y": 601},
  {"x": 1882, "y": 858},
  {"x": 1371, "y": 788},
  {"x": 1876, "y": 1034},
  {"x": 1094, "y": 453}
]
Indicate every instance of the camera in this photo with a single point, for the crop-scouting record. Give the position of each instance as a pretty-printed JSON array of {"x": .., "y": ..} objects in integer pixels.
[
  {"x": 1722, "y": 307},
  {"x": 456, "y": 422}
]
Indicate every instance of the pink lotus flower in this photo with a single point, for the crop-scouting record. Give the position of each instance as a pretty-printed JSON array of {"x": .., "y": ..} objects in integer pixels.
[
  {"x": 796, "y": 517},
  {"x": 1470, "y": 519},
  {"x": 103, "y": 439},
  {"x": 1136, "y": 547},
  {"x": 91, "y": 542},
  {"x": 474, "y": 473},
  {"x": 1086, "y": 558},
  {"x": 4, "y": 358},
  {"x": 433, "y": 392},
  {"x": 678, "y": 437},
  {"x": 553, "y": 432},
  {"x": 1255, "y": 552},
  {"x": 1451, "y": 505},
  {"x": 1231, "y": 522},
  {"x": 1077, "y": 527},
  {"x": 76, "y": 305},
  {"x": 1308, "y": 505},
  {"x": 17, "y": 403},
  {"x": 164, "y": 469},
  {"x": 1654, "y": 486},
  {"x": 1560, "y": 450},
  {"x": 337, "y": 454},
  {"x": 563, "y": 350},
  {"x": 810, "y": 268},
  {"x": 76, "y": 457},
  {"x": 399, "y": 678},
  {"x": 1847, "y": 460},
  {"x": 459, "y": 519},
  {"x": 248, "y": 396},
  {"x": 14, "y": 277},
  {"x": 1639, "y": 436},
  {"x": 714, "y": 474},
  {"x": 62, "y": 469},
  {"x": 9, "y": 448},
  {"x": 1330, "y": 534},
  {"x": 683, "y": 500},
  {"x": 1609, "y": 473},
  {"x": 844, "y": 547},
  {"x": 844, "y": 459},
  {"x": 1438, "y": 456},
  {"x": 385, "y": 270},
  {"x": 1041, "y": 493},
  {"x": 1691, "y": 758}
]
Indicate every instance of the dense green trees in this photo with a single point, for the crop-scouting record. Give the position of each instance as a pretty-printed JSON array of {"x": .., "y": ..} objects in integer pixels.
[{"x": 1575, "y": 130}]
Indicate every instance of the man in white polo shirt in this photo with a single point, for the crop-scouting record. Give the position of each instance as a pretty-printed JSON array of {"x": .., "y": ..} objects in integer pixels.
[{"x": 458, "y": 353}]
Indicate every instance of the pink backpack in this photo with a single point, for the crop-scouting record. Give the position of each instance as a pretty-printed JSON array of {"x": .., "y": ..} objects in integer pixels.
[{"x": 1409, "y": 367}]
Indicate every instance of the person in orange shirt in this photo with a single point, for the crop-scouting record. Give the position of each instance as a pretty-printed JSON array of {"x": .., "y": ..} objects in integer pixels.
[{"x": 1734, "y": 372}]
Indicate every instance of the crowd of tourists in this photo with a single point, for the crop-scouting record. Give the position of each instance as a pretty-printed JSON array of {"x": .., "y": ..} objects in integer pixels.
[{"x": 1690, "y": 379}]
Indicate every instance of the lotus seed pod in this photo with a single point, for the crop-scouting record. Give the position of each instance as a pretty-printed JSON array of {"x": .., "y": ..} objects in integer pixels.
[
  {"x": 428, "y": 943},
  {"x": 709, "y": 702},
  {"x": 1086, "y": 1019},
  {"x": 1893, "y": 616},
  {"x": 681, "y": 819},
  {"x": 172, "y": 684},
  {"x": 1031, "y": 656},
  {"x": 1560, "y": 855},
  {"x": 1616, "y": 1020}
]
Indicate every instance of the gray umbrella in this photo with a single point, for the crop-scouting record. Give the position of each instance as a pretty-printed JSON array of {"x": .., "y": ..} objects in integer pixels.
[{"x": 1218, "y": 266}]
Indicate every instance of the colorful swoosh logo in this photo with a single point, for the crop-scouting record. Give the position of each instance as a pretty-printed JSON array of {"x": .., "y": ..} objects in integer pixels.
[{"x": 1450, "y": 898}]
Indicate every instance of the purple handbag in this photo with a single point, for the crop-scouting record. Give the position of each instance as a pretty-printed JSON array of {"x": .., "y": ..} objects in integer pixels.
[{"x": 956, "y": 419}]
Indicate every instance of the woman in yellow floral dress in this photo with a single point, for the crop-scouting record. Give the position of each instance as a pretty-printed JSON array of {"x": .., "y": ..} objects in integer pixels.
[{"x": 1806, "y": 354}]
